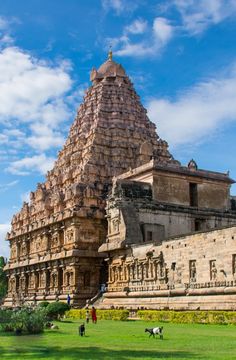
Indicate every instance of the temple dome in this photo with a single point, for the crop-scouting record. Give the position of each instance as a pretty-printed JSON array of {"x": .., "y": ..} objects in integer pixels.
[
  {"x": 111, "y": 67},
  {"x": 108, "y": 69}
]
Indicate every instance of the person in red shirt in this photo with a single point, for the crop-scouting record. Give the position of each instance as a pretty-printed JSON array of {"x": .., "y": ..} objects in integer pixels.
[{"x": 94, "y": 315}]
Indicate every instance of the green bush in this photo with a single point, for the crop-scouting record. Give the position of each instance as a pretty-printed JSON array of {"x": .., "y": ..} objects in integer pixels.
[
  {"x": 56, "y": 310},
  {"x": 187, "y": 317},
  {"x": 76, "y": 314},
  {"x": 19, "y": 319},
  {"x": 5, "y": 320},
  {"x": 43, "y": 304},
  {"x": 101, "y": 314},
  {"x": 35, "y": 321},
  {"x": 25, "y": 320}
]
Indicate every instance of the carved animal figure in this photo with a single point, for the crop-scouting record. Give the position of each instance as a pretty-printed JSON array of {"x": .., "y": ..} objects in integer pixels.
[{"x": 155, "y": 331}]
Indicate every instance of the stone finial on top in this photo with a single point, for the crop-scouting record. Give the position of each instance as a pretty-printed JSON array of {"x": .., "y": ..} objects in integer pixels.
[
  {"x": 110, "y": 54},
  {"x": 192, "y": 165}
]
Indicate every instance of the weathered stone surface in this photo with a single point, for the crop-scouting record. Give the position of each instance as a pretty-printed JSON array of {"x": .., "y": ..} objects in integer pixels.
[
  {"x": 150, "y": 267},
  {"x": 176, "y": 274}
]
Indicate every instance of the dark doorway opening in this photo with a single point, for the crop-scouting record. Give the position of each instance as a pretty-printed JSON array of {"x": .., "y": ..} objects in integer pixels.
[
  {"x": 193, "y": 194},
  {"x": 103, "y": 277}
]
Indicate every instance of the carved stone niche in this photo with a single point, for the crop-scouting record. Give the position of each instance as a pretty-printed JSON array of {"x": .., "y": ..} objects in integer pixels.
[
  {"x": 38, "y": 243},
  {"x": 146, "y": 152},
  {"x": 12, "y": 284},
  {"x": 68, "y": 277},
  {"x": 45, "y": 240},
  {"x": 192, "y": 270},
  {"x": 69, "y": 235},
  {"x": 24, "y": 248},
  {"x": 115, "y": 225},
  {"x": 54, "y": 279},
  {"x": 55, "y": 239},
  {"x": 213, "y": 270},
  {"x": 42, "y": 279},
  {"x": 87, "y": 235},
  {"x": 32, "y": 280},
  {"x": 13, "y": 251}
]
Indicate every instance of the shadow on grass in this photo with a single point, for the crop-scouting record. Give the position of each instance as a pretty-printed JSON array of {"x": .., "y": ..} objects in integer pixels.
[
  {"x": 66, "y": 321},
  {"x": 55, "y": 352}
]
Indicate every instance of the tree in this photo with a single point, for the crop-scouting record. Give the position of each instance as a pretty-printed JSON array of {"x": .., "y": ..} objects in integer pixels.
[{"x": 3, "y": 278}]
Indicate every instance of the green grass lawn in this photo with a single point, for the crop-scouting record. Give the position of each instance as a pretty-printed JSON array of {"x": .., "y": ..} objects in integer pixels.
[{"x": 123, "y": 340}]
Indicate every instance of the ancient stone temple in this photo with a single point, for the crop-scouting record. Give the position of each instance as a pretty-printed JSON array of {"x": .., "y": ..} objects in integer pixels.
[
  {"x": 171, "y": 239},
  {"x": 55, "y": 237},
  {"x": 117, "y": 208}
]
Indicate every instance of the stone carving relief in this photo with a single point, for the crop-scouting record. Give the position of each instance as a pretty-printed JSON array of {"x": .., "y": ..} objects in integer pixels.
[
  {"x": 234, "y": 264},
  {"x": 22, "y": 283},
  {"x": 115, "y": 225},
  {"x": 69, "y": 236},
  {"x": 13, "y": 251},
  {"x": 140, "y": 271},
  {"x": 12, "y": 284},
  {"x": 24, "y": 249},
  {"x": 213, "y": 270},
  {"x": 192, "y": 270},
  {"x": 87, "y": 235},
  {"x": 38, "y": 244},
  {"x": 54, "y": 280},
  {"x": 32, "y": 280},
  {"x": 55, "y": 240},
  {"x": 146, "y": 151},
  {"x": 43, "y": 279}
]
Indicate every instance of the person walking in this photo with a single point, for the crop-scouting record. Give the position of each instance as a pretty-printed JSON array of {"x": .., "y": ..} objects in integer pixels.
[
  {"x": 87, "y": 316},
  {"x": 94, "y": 315},
  {"x": 68, "y": 299}
]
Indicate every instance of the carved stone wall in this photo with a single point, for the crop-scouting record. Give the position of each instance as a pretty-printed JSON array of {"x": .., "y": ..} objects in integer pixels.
[
  {"x": 155, "y": 269},
  {"x": 188, "y": 272}
]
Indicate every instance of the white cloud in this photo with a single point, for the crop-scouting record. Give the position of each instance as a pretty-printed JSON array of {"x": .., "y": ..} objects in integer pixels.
[
  {"x": 35, "y": 100},
  {"x": 5, "y": 37},
  {"x": 5, "y": 187},
  {"x": 44, "y": 142},
  {"x": 163, "y": 30},
  {"x": 197, "y": 112},
  {"x": 38, "y": 163},
  {"x": 119, "y": 6},
  {"x": 3, "y": 23},
  {"x": 160, "y": 34},
  {"x": 138, "y": 26},
  {"x": 30, "y": 89},
  {"x": 3, "y": 139},
  {"x": 4, "y": 245},
  {"x": 197, "y": 16},
  {"x": 13, "y": 132},
  {"x": 33, "y": 95},
  {"x": 129, "y": 49}
]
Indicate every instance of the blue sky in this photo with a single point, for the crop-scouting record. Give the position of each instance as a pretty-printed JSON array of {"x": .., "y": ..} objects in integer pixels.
[{"x": 180, "y": 55}]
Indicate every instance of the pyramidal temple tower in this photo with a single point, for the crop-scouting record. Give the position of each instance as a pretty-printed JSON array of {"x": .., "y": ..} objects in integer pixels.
[{"x": 55, "y": 237}]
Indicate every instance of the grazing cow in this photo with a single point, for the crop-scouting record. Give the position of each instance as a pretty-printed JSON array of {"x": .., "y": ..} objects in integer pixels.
[
  {"x": 82, "y": 330},
  {"x": 54, "y": 327},
  {"x": 155, "y": 331}
]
